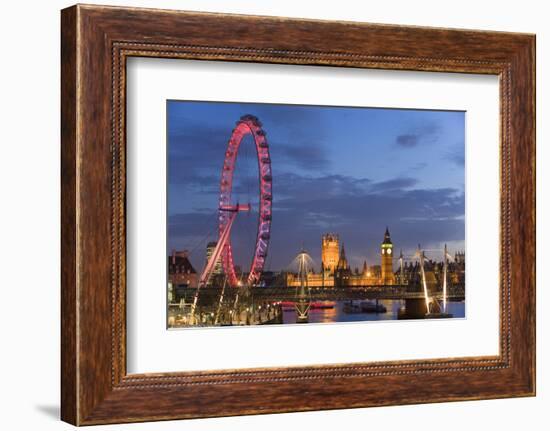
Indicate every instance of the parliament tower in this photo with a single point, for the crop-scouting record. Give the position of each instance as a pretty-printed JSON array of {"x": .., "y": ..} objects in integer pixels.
[
  {"x": 386, "y": 250},
  {"x": 330, "y": 252}
]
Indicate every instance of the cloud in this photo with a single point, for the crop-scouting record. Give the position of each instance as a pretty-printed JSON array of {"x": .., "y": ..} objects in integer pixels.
[
  {"x": 424, "y": 133},
  {"x": 407, "y": 141},
  {"x": 394, "y": 184},
  {"x": 305, "y": 207},
  {"x": 294, "y": 119},
  {"x": 204, "y": 160},
  {"x": 457, "y": 155},
  {"x": 290, "y": 184},
  {"x": 304, "y": 155},
  {"x": 333, "y": 186}
]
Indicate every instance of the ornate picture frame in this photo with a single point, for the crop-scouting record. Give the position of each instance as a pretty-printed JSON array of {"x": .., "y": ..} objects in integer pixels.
[{"x": 96, "y": 41}]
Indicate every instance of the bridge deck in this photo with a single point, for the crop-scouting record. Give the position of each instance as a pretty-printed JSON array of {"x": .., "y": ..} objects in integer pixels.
[{"x": 327, "y": 293}]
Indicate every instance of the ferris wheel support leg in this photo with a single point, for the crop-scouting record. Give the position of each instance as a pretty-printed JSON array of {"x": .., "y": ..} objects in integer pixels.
[
  {"x": 211, "y": 262},
  {"x": 217, "y": 251}
]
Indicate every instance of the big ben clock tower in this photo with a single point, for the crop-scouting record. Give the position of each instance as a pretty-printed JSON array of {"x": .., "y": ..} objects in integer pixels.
[{"x": 386, "y": 250}]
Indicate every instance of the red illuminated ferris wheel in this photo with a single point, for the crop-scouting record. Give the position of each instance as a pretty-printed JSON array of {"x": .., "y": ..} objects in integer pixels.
[{"x": 227, "y": 211}]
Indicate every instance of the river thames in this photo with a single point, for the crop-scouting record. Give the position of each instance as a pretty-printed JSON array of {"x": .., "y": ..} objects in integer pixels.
[{"x": 337, "y": 313}]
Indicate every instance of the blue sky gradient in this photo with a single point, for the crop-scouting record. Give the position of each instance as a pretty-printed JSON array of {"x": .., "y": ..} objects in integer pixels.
[{"x": 351, "y": 171}]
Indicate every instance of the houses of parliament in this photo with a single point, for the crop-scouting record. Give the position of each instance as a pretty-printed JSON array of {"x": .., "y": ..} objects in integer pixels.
[{"x": 336, "y": 271}]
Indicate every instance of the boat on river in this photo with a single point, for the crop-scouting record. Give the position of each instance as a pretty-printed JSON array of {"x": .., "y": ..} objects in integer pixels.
[
  {"x": 373, "y": 307},
  {"x": 351, "y": 307}
]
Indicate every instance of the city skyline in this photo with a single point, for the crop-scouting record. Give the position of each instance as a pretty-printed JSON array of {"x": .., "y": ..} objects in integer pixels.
[{"x": 352, "y": 171}]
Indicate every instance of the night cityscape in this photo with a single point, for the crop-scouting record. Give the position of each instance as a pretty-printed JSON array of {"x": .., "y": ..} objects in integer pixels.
[{"x": 286, "y": 214}]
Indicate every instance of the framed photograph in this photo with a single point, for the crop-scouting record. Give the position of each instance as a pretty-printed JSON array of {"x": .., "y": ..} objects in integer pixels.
[{"x": 329, "y": 214}]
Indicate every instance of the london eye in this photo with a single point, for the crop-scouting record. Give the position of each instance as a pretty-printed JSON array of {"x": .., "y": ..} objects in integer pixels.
[{"x": 247, "y": 125}]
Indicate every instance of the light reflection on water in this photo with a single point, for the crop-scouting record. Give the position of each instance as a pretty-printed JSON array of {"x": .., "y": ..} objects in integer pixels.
[{"x": 337, "y": 314}]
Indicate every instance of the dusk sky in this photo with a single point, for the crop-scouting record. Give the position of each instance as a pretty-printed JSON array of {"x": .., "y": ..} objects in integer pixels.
[{"x": 350, "y": 171}]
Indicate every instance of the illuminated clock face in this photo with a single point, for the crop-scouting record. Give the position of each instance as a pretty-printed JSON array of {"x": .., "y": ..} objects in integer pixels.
[
  {"x": 383, "y": 251},
  {"x": 389, "y": 250}
]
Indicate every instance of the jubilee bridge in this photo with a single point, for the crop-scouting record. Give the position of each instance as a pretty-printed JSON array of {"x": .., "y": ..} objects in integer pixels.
[{"x": 288, "y": 293}]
